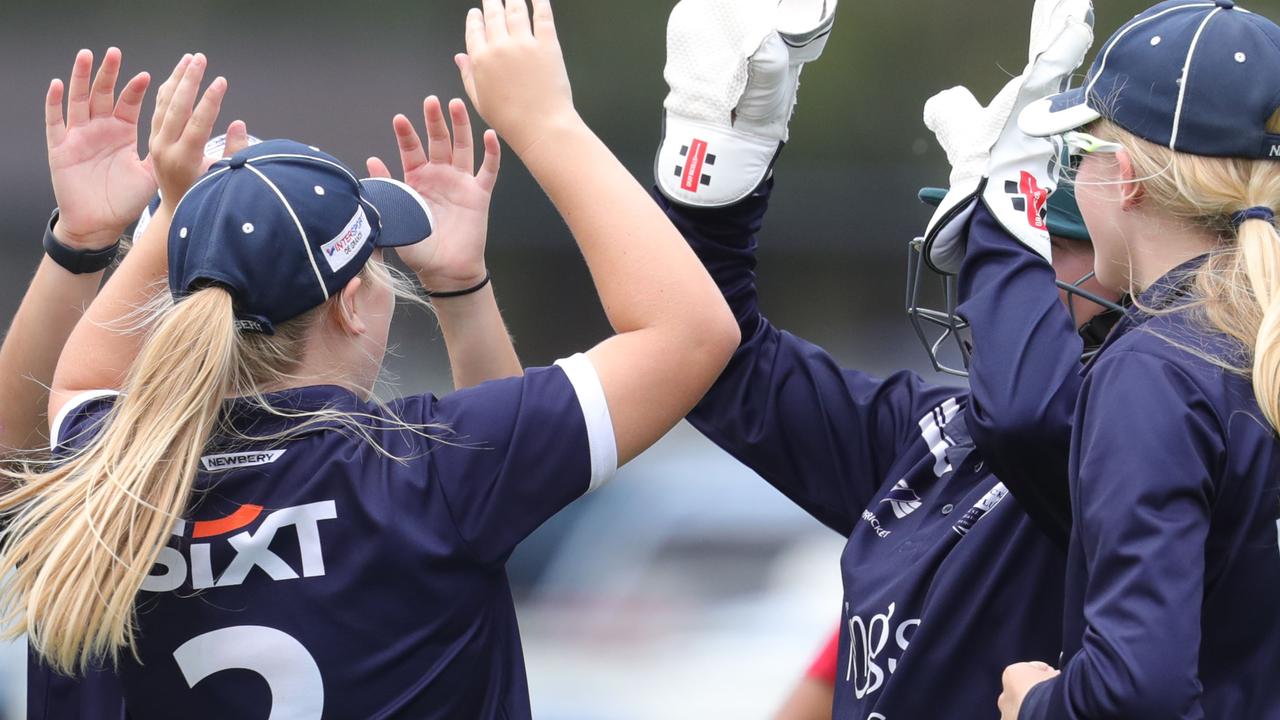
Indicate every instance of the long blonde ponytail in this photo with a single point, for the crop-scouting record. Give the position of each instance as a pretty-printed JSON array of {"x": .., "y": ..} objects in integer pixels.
[
  {"x": 1238, "y": 287},
  {"x": 87, "y": 532}
]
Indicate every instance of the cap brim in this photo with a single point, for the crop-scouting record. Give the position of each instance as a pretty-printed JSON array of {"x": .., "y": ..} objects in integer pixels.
[
  {"x": 403, "y": 215},
  {"x": 1057, "y": 114}
]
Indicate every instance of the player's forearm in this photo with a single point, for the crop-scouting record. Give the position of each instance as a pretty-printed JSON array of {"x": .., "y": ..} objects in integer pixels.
[
  {"x": 646, "y": 275},
  {"x": 479, "y": 346},
  {"x": 101, "y": 348},
  {"x": 54, "y": 302}
]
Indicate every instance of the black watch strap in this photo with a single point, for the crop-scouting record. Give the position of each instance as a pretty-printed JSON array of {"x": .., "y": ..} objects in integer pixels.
[{"x": 78, "y": 262}]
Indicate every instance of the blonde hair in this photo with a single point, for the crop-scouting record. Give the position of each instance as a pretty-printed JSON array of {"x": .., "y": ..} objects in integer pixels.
[
  {"x": 1237, "y": 290},
  {"x": 86, "y": 532}
]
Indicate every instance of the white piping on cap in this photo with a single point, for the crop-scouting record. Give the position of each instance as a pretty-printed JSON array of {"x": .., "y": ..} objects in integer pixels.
[
  {"x": 1125, "y": 31},
  {"x": 197, "y": 184},
  {"x": 307, "y": 157},
  {"x": 301, "y": 232},
  {"x": 1186, "y": 70}
]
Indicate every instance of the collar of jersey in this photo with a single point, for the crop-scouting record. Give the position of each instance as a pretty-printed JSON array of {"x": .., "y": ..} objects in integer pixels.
[
  {"x": 251, "y": 419},
  {"x": 1171, "y": 288}
]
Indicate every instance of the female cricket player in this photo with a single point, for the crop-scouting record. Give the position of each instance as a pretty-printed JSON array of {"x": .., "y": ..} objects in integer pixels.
[
  {"x": 945, "y": 575},
  {"x": 475, "y": 337},
  {"x": 812, "y": 697},
  {"x": 1173, "y": 576},
  {"x": 232, "y": 502}
]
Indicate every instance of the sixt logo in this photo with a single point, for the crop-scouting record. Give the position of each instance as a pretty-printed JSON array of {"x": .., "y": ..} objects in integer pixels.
[
  {"x": 252, "y": 548},
  {"x": 696, "y": 160}
]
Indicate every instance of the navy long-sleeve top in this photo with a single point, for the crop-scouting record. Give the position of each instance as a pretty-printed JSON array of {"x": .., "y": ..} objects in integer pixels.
[
  {"x": 941, "y": 558},
  {"x": 1173, "y": 584}
]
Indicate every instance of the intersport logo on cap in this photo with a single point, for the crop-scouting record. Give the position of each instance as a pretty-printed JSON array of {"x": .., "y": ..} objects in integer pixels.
[{"x": 346, "y": 246}]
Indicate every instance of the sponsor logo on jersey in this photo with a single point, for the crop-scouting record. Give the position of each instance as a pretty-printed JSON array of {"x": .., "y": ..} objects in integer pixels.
[
  {"x": 252, "y": 548},
  {"x": 980, "y": 509},
  {"x": 1029, "y": 197},
  {"x": 696, "y": 161},
  {"x": 902, "y": 499},
  {"x": 933, "y": 432},
  {"x": 871, "y": 656},
  {"x": 230, "y": 461},
  {"x": 1275, "y": 151},
  {"x": 870, "y": 518}
]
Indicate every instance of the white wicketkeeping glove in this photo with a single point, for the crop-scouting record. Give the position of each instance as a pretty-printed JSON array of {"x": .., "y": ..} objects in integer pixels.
[
  {"x": 991, "y": 159},
  {"x": 734, "y": 69}
]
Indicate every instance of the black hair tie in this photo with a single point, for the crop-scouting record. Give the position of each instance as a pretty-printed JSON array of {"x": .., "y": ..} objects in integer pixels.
[
  {"x": 1260, "y": 212},
  {"x": 461, "y": 293}
]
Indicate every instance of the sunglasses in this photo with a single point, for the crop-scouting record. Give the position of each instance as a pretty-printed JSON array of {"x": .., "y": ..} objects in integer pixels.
[{"x": 1080, "y": 144}]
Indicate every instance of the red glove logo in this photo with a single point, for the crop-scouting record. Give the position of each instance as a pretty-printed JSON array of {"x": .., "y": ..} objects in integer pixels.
[
  {"x": 1034, "y": 200},
  {"x": 696, "y": 159}
]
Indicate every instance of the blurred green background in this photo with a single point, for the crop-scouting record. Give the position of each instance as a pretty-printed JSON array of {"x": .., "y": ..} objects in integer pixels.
[{"x": 719, "y": 621}]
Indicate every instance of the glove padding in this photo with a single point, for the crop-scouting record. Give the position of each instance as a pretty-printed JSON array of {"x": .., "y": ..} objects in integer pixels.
[
  {"x": 733, "y": 67},
  {"x": 991, "y": 158}
]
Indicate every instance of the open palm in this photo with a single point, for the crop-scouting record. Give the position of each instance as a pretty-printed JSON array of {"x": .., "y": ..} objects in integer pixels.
[
  {"x": 100, "y": 182},
  {"x": 444, "y": 175}
]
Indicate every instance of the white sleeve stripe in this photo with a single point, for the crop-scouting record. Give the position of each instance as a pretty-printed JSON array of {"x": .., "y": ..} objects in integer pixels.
[
  {"x": 75, "y": 403},
  {"x": 595, "y": 411}
]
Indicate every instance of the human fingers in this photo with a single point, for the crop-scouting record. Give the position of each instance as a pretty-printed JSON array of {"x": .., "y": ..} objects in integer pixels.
[
  {"x": 200, "y": 127},
  {"x": 544, "y": 21},
  {"x": 412, "y": 156},
  {"x": 237, "y": 138},
  {"x": 464, "y": 157},
  {"x": 78, "y": 90},
  {"x": 488, "y": 175},
  {"x": 377, "y": 168},
  {"x": 102, "y": 94},
  {"x": 55, "y": 128},
  {"x": 129, "y": 107},
  {"x": 518, "y": 19},
  {"x": 495, "y": 20},
  {"x": 182, "y": 103},
  {"x": 439, "y": 143},
  {"x": 467, "y": 72},
  {"x": 165, "y": 94}
]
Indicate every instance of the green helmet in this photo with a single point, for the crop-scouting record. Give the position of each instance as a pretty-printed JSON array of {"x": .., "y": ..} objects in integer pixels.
[{"x": 1064, "y": 218}]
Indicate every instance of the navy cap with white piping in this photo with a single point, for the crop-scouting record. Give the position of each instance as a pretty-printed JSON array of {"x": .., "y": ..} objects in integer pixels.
[
  {"x": 1196, "y": 76},
  {"x": 284, "y": 226}
]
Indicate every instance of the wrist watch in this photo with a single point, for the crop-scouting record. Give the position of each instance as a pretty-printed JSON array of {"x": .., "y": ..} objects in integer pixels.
[{"x": 74, "y": 260}]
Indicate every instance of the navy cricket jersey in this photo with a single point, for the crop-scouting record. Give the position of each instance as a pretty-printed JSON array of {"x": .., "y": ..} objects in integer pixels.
[
  {"x": 1173, "y": 575},
  {"x": 317, "y": 578},
  {"x": 946, "y": 579}
]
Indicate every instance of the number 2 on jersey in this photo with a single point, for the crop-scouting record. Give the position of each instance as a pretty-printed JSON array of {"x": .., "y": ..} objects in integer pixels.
[{"x": 297, "y": 690}]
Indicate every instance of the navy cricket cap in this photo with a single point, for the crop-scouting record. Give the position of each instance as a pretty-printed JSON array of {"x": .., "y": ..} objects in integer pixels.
[
  {"x": 1197, "y": 76},
  {"x": 284, "y": 226}
]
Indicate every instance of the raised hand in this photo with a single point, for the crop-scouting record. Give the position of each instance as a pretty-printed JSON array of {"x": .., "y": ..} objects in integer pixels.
[
  {"x": 100, "y": 182},
  {"x": 444, "y": 174},
  {"x": 514, "y": 71},
  {"x": 181, "y": 127}
]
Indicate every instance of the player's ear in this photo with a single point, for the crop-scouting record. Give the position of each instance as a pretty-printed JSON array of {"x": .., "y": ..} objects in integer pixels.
[
  {"x": 346, "y": 311},
  {"x": 1131, "y": 190}
]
